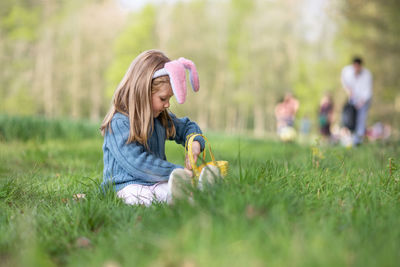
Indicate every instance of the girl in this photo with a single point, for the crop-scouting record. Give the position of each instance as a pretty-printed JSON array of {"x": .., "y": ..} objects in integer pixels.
[{"x": 137, "y": 125}]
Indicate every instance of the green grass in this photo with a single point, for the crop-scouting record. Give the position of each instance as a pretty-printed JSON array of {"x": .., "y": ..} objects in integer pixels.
[
  {"x": 40, "y": 128},
  {"x": 281, "y": 205}
]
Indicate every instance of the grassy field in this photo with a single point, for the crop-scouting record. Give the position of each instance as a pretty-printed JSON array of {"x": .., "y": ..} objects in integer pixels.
[{"x": 281, "y": 205}]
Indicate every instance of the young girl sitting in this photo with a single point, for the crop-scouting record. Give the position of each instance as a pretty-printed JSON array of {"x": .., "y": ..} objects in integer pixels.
[{"x": 137, "y": 125}]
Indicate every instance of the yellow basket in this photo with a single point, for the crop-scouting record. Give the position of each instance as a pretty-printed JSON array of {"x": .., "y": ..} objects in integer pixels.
[{"x": 221, "y": 164}]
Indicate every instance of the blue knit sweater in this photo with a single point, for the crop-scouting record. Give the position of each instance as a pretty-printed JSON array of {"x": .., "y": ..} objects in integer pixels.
[{"x": 132, "y": 163}]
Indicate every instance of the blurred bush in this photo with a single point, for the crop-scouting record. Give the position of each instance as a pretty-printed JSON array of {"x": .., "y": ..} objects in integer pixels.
[{"x": 26, "y": 128}]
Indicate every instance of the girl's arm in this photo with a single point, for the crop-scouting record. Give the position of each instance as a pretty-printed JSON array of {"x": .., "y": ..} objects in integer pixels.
[
  {"x": 185, "y": 127},
  {"x": 133, "y": 157}
]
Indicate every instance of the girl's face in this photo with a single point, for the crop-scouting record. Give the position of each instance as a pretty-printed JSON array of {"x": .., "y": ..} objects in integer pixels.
[{"x": 160, "y": 99}]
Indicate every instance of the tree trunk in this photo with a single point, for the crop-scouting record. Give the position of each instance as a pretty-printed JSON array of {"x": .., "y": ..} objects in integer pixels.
[
  {"x": 230, "y": 119},
  {"x": 47, "y": 67},
  {"x": 95, "y": 90},
  {"x": 259, "y": 120},
  {"x": 48, "y": 90},
  {"x": 75, "y": 77}
]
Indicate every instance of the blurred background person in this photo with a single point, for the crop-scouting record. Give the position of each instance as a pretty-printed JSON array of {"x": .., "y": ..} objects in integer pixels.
[
  {"x": 357, "y": 82},
  {"x": 285, "y": 113},
  {"x": 379, "y": 131},
  {"x": 325, "y": 115}
]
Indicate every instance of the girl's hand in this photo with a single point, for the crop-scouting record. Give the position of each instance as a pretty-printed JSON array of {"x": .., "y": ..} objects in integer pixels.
[
  {"x": 195, "y": 151},
  {"x": 189, "y": 172}
]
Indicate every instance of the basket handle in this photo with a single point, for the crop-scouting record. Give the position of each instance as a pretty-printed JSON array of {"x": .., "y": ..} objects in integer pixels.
[{"x": 188, "y": 149}]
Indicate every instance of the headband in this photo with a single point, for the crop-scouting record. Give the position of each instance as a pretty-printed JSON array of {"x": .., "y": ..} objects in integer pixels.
[{"x": 176, "y": 70}]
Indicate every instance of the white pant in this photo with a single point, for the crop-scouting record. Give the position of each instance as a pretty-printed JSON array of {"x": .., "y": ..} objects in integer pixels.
[{"x": 136, "y": 194}]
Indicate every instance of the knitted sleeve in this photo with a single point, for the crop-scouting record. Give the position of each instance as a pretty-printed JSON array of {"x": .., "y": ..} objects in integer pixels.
[{"x": 185, "y": 127}]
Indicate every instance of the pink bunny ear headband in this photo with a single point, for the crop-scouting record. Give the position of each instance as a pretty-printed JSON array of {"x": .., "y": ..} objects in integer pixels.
[{"x": 176, "y": 70}]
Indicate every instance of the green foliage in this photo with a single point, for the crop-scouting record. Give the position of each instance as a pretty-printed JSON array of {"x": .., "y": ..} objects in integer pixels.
[
  {"x": 20, "y": 103},
  {"x": 21, "y": 23},
  {"x": 309, "y": 89},
  {"x": 370, "y": 29},
  {"x": 26, "y": 128},
  {"x": 237, "y": 35},
  {"x": 66, "y": 58},
  {"x": 138, "y": 36}
]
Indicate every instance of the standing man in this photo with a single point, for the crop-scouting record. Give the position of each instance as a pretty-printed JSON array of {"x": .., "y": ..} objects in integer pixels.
[{"x": 357, "y": 82}]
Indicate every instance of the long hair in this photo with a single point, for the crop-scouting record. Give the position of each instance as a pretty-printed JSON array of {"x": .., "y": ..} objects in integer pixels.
[{"x": 133, "y": 98}]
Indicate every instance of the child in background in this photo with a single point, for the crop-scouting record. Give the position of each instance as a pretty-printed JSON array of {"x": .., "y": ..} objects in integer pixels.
[
  {"x": 137, "y": 125},
  {"x": 285, "y": 113},
  {"x": 325, "y": 115}
]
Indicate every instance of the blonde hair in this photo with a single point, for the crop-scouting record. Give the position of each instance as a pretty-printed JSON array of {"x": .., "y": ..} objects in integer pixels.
[{"x": 133, "y": 98}]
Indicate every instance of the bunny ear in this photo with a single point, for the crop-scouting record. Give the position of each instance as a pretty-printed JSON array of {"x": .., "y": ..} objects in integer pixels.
[
  {"x": 193, "y": 75},
  {"x": 177, "y": 77},
  {"x": 175, "y": 69}
]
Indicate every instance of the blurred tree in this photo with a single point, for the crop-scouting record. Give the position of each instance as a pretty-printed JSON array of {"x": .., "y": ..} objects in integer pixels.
[
  {"x": 181, "y": 22},
  {"x": 272, "y": 54},
  {"x": 19, "y": 22},
  {"x": 65, "y": 58},
  {"x": 137, "y": 36},
  {"x": 56, "y": 54},
  {"x": 371, "y": 29}
]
